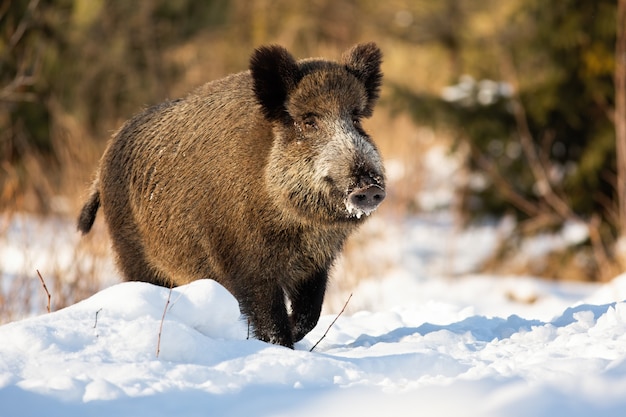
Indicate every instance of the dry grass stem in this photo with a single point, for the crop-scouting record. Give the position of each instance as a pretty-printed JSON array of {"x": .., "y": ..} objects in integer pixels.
[
  {"x": 95, "y": 324},
  {"x": 331, "y": 324},
  {"x": 169, "y": 296},
  {"x": 46, "y": 289}
]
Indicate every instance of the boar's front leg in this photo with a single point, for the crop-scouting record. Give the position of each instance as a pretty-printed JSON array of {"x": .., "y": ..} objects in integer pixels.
[
  {"x": 265, "y": 309},
  {"x": 306, "y": 304}
]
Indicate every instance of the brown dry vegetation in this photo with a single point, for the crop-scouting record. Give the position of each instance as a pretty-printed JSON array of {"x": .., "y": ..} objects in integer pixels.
[
  {"x": 106, "y": 62},
  {"x": 72, "y": 71}
]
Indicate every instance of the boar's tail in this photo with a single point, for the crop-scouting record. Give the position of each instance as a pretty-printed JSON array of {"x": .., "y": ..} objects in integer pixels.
[{"x": 88, "y": 213}]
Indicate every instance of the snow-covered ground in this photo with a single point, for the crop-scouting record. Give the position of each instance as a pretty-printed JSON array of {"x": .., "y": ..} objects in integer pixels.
[
  {"x": 422, "y": 335},
  {"x": 99, "y": 357}
]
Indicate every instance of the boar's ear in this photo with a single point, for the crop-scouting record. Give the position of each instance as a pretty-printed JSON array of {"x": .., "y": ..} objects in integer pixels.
[
  {"x": 363, "y": 61},
  {"x": 275, "y": 74}
]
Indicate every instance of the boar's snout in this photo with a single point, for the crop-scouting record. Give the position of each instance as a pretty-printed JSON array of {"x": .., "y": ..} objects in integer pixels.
[{"x": 366, "y": 199}]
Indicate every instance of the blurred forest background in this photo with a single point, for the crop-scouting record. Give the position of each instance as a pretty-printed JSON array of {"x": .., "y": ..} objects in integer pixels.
[{"x": 528, "y": 95}]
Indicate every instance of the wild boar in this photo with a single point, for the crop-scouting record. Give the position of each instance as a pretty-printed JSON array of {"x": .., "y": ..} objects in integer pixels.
[{"x": 254, "y": 180}]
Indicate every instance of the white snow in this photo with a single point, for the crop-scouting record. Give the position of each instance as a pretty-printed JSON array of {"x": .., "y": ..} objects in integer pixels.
[{"x": 98, "y": 357}]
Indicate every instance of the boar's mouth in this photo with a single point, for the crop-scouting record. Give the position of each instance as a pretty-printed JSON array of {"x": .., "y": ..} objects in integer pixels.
[{"x": 364, "y": 200}]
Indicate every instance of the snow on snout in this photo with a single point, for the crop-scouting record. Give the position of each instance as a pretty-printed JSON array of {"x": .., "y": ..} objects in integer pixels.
[
  {"x": 354, "y": 211},
  {"x": 364, "y": 200}
]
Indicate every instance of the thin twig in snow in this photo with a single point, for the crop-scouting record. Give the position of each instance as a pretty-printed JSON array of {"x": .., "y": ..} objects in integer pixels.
[
  {"x": 331, "y": 324},
  {"x": 95, "y": 324},
  {"x": 46, "y": 289},
  {"x": 158, "y": 350}
]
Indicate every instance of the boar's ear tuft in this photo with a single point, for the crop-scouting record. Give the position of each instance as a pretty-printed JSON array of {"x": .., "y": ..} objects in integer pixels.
[
  {"x": 275, "y": 74},
  {"x": 363, "y": 61}
]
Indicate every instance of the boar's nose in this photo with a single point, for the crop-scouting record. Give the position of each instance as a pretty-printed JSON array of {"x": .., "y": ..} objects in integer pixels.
[{"x": 367, "y": 198}]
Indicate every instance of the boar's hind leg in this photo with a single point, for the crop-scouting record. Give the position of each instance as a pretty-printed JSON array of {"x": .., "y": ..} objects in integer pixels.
[
  {"x": 267, "y": 314},
  {"x": 132, "y": 260},
  {"x": 306, "y": 304}
]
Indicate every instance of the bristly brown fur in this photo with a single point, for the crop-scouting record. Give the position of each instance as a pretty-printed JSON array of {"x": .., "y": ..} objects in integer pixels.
[
  {"x": 89, "y": 211},
  {"x": 254, "y": 180}
]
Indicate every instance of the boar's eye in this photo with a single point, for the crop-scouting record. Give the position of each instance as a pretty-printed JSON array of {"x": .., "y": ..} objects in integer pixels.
[
  {"x": 310, "y": 121},
  {"x": 356, "y": 120}
]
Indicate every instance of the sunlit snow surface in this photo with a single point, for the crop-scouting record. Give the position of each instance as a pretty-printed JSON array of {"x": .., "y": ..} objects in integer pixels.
[{"x": 438, "y": 357}]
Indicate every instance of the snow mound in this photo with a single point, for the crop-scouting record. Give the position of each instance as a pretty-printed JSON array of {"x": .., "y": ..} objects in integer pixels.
[{"x": 98, "y": 357}]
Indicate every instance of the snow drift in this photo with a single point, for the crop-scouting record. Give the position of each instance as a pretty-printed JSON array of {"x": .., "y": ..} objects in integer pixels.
[{"x": 98, "y": 358}]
